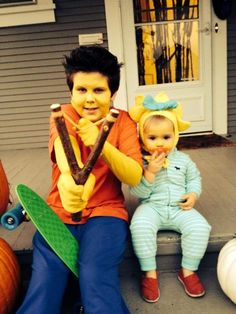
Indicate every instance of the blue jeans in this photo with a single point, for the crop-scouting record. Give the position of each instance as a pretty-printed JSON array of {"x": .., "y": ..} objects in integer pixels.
[{"x": 102, "y": 242}]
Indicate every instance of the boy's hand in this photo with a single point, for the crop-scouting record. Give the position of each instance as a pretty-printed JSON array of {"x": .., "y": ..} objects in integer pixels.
[
  {"x": 87, "y": 131},
  {"x": 188, "y": 201},
  {"x": 74, "y": 197}
]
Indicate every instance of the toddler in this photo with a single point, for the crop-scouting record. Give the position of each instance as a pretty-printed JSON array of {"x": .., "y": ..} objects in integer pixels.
[{"x": 168, "y": 191}]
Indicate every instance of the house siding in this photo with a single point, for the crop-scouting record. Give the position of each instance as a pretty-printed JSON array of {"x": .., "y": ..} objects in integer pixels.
[
  {"x": 31, "y": 72},
  {"x": 231, "y": 43}
]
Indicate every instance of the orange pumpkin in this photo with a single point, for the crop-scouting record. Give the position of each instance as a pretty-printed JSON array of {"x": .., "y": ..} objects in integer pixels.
[
  {"x": 9, "y": 278},
  {"x": 4, "y": 190}
]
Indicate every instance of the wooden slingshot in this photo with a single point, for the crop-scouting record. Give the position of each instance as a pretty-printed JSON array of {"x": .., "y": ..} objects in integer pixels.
[{"x": 80, "y": 175}]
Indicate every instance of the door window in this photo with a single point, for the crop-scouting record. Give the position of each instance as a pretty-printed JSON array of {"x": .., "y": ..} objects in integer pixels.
[{"x": 167, "y": 36}]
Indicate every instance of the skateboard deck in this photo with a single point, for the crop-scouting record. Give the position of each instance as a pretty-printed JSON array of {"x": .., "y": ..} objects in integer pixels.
[{"x": 50, "y": 226}]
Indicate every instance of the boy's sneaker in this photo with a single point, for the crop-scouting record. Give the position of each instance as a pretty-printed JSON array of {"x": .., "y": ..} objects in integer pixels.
[
  {"x": 192, "y": 285},
  {"x": 149, "y": 289}
]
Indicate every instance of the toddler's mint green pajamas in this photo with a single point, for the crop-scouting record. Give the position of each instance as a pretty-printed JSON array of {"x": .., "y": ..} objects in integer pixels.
[{"x": 159, "y": 210}]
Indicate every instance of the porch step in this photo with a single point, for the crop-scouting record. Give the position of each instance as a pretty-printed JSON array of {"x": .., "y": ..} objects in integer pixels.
[
  {"x": 173, "y": 299},
  {"x": 169, "y": 251},
  {"x": 168, "y": 262}
]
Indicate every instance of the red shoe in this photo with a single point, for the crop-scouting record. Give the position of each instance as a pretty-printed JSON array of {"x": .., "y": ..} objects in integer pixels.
[
  {"x": 149, "y": 289},
  {"x": 192, "y": 285}
]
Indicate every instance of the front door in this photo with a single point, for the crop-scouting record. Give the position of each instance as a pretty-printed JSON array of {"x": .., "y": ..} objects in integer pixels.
[{"x": 167, "y": 47}]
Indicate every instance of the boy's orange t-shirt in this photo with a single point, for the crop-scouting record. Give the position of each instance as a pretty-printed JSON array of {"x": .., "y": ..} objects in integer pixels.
[{"x": 107, "y": 198}]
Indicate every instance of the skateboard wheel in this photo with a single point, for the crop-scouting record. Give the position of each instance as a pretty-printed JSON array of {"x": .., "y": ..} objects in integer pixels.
[{"x": 13, "y": 218}]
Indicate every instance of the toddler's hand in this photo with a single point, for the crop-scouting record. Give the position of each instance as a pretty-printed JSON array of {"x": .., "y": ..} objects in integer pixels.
[
  {"x": 188, "y": 201},
  {"x": 156, "y": 162}
]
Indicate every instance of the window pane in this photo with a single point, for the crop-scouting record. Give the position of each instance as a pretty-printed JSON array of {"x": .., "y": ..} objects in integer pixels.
[
  {"x": 167, "y": 41},
  {"x": 167, "y": 53},
  {"x": 164, "y": 10},
  {"x": 16, "y": 2}
]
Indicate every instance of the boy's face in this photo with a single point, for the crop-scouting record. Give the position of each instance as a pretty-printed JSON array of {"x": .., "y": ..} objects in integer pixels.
[
  {"x": 159, "y": 135},
  {"x": 91, "y": 95}
]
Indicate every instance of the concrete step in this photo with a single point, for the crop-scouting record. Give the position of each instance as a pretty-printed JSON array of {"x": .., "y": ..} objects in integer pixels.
[
  {"x": 168, "y": 258},
  {"x": 173, "y": 298},
  {"x": 169, "y": 250}
]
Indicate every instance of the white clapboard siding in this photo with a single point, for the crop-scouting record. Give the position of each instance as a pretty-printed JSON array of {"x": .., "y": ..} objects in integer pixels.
[
  {"x": 231, "y": 42},
  {"x": 31, "y": 72}
]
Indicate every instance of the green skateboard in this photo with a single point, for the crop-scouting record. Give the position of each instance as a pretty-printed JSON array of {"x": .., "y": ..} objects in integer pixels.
[{"x": 47, "y": 223}]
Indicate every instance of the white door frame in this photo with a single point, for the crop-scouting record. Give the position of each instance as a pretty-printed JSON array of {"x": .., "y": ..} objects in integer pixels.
[{"x": 219, "y": 63}]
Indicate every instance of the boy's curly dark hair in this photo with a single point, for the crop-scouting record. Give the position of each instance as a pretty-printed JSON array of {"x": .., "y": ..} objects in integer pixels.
[{"x": 93, "y": 59}]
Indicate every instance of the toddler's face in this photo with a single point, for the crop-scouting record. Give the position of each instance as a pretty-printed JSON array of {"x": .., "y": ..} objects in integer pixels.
[
  {"x": 159, "y": 135},
  {"x": 91, "y": 95}
]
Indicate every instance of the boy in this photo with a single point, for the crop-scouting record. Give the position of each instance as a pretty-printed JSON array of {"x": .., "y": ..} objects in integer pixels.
[
  {"x": 168, "y": 191},
  {"x": 93, "y": 76}
]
